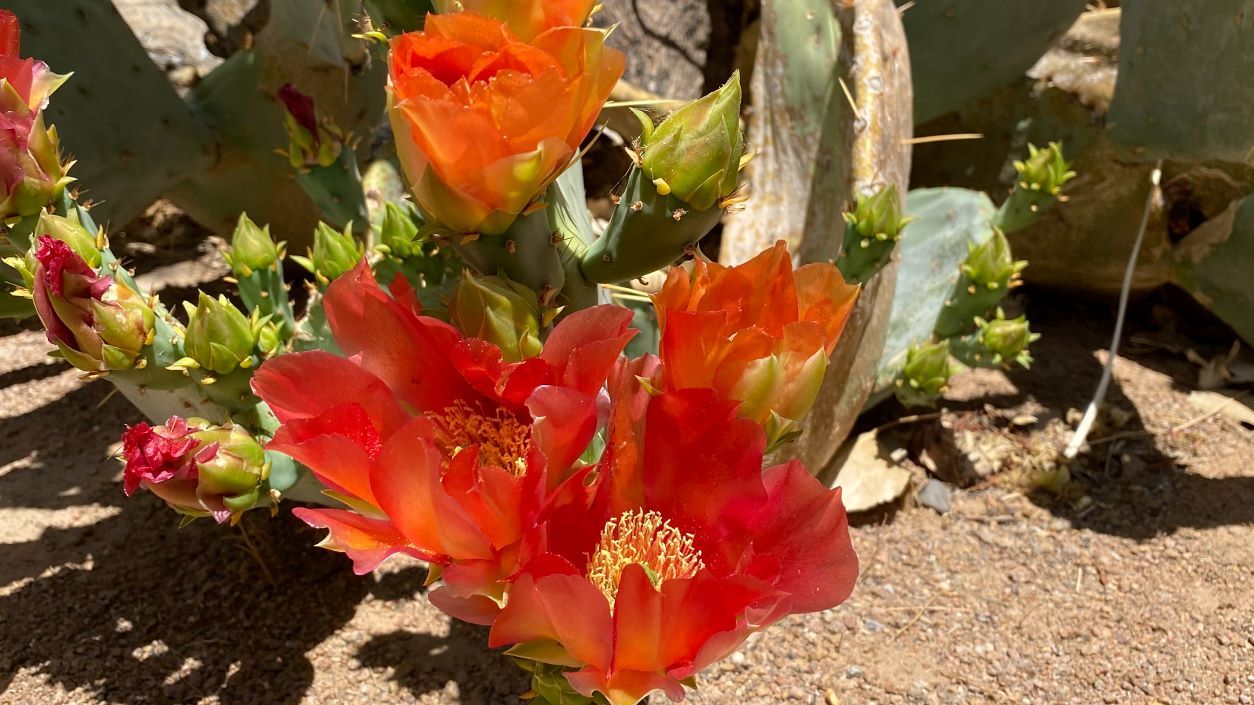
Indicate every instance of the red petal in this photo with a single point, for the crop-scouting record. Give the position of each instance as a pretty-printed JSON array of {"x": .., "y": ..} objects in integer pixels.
[
  {"x": 565, "y": 608},
  {"x": 802, "y": 543},
  {"x": 408, "y": 352},
  {"x": 10, "y": 35},
  {"x": 583, "y": 348},
  {"x": 475, "y": 609},
  {"x": 406, "y": 479},
  {"x": 702, "y": 470},
  {"x": 480, "y": 363},
  {"x": 305, "y": 385},
  {"x": 339, "y": 446},
  {"x": 492, "y": 496},
  {"x": 667, "y": 630},
  {"x": 565, "y": 421},
  {"x": 629, "y": 401},
  {"x": 368, "y": 542}
]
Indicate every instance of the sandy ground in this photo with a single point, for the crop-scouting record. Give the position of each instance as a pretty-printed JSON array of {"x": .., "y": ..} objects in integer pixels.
[{"x": 1145, "y": 596}]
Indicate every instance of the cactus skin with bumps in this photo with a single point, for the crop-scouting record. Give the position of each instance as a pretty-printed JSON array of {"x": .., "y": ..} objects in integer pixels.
[{"x": 986, "y": 275}]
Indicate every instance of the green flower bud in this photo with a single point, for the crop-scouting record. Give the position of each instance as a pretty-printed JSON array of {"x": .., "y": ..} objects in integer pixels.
[
  {"x": 219, "y": 338},
  {"x": 500, "y": 311},
  {"x": 334, "y": 253},
  {"x": 231, "y": 468},
  {"x": 269, "y": 336},
  {"x": 1007, "y": 340},
  {"x": 695, "y": 154},
  {"x": 1045, "y": 170},
  {"x": 991, "y": 266},
  {"x": 399, "y": 233},
  {"x": 313, "y": 142},
  {"x": 252, "y": 248},
  {"x": 926, "y": 374},
  {"x": 871, "y": 234}
]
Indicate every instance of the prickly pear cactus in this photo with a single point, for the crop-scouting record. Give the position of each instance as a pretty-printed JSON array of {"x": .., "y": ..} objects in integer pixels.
[
  {"x": 131, "y": 133},
  {"x": 963, "y": 50},
  {"x": 1214, "y": 263},
  {"x": 817, "y": 154},
  {"x": 1184, "y": 90}
]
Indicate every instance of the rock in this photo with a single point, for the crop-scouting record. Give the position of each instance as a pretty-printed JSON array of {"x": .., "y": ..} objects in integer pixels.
[
  {"x": 867, "y": 477},
  {"x": 936, "y": 495}
]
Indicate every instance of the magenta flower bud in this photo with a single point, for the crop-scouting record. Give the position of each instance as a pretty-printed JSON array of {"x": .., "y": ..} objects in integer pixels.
[{"x": 98, "y": 324}]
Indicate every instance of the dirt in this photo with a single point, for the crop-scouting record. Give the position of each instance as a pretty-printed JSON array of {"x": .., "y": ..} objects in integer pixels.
[{"x": 1134, "y": 586}]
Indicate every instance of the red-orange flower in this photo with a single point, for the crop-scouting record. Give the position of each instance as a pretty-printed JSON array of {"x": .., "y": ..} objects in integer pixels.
[
  {"x": 439, "y": 448},
  {"x": 682, "y": 548},
  {"x": 759, "y": 332},
  {"x": 526, "y": 18},
  {"x": 484, "y": 121}
]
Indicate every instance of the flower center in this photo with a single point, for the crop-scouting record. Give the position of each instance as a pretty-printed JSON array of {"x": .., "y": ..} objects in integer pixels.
[
  {"x": 648, "y": 540},
  {"x": 502, "y": 438}
]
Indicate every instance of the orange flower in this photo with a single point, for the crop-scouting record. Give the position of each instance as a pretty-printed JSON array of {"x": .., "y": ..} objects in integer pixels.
[
  {"x": 484, "y": 122},
  {"x": 758, "y": 333},
  {"x": 526, "y": 19}
]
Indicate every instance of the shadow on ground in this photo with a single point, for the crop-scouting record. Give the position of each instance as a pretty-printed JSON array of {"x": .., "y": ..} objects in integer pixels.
[
  {"x": 1138, "y": 489},
  {"x": 130, "y": 610}
]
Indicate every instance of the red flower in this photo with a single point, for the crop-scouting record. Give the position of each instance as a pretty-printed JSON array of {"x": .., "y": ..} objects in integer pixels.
[
  {"x": 520, "y": 109},
  {"x": 157, "y": 456},
  {"x": 30, "y": 169},
  {"x": 660, "y": 576},
  {"x": 440, "y": 449},
  {"x": 759, "y": 333}
]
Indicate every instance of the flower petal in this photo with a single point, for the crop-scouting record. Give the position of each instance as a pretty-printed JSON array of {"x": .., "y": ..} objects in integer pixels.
[
  {"x": 408, "y": 352},
  {"x": 802, "y": 543},
  {"x": 584, "y": 346},
  {"x": 702, "y": 470},
  {"x": 368, "y": 542},
  {"x": 305, "y": 385},
  {"x": 406, "y": 479},
  {"x": 565, "y": 608}
]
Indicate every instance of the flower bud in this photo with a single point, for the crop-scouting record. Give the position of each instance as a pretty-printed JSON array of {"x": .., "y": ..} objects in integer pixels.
[
  {"x": 72, "y": 233},
  {"x": 990, "y": 265},
  {"x": 333, "y": 253},
  {"x": 219, "y": 338},
  {"x": 398, "y": 234},
  {"x": 695, "y": 154},
  {"x": 871, "y": 234},
  {"x": 231, "y": 468},
  {"x": 98, "y": 324},
  {"x": 526, "y": 18},
  {"x": 198, "y": 469},
  {"x": 31, "y": 173},
  {"x": 1007, "y": 340},
  {"x": 252, "y": 248},
  {"x": 1045, "y": 170},
  {"x": 313, "y": 142},
  {"x": 926, "y": 374},
  {"x": 500, "y": 311}
]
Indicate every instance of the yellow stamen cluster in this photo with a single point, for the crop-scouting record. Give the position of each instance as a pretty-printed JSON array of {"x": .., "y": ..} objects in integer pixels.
[
  {"x": 502, "y": 438},
  {"x": 648, "y": 540}
]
